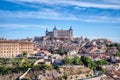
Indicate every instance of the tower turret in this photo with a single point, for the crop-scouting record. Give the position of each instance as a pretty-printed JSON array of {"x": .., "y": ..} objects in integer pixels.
[
  {"x": 46, "y": 32},
  {"x": 70, "y": 28},
  {"x": 46, "y": 29},
  {"x": 54, "y": 28},
  {"x": 54, "y": 31},
  {"x": 71, "y": 31}
]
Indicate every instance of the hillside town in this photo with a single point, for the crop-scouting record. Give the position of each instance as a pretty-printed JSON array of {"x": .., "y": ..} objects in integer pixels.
[{"x": 59, "y": 56}]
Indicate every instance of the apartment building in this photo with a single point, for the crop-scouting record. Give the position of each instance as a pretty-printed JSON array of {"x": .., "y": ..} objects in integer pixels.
[{"x": 11, "y": 49}]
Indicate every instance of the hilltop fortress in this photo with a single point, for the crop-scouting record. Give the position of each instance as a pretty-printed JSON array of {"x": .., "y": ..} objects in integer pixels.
[{"x": 60, "y": 33}]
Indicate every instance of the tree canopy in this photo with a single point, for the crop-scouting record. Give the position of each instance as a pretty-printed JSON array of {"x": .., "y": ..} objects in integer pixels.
[
  {"x": 117, "y": 54},
  {"x": 75, "y": 60},
  {"x": 92, "y": 65}
]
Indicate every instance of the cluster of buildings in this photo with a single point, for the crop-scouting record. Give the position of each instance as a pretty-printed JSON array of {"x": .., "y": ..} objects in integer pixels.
[
  {"x": 79, "y": 45},
  {"x": 113, "y": 70},
  {"x": 14, "y": 48},
  {"x": 95, "y": 46},
  {"x": 54, "y": 40},
  {"x": 45, "y": 49},
  {"x": 96, "y": 49}
]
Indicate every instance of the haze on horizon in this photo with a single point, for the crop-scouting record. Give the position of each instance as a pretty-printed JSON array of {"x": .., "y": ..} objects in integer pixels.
[{"x": 88, "y": 18}]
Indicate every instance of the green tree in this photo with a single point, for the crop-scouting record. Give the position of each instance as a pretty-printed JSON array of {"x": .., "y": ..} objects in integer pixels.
[
  {"x": 117, "y": 54},
  {"x": 2, "y": 69},
  {"x": 26, "y": 64},
  {"x": 93, "y": 65},
  {"x": 76, "y": 60},
  {"x": 24, "y": 54},
  {"x": 87, "y": 61},
  {"x": 101, "y": 62},
  {"x": 114, "y": 45},
  {"x": 59, "y": 77},
  {"x": 28, "y": 79},
  {"x": 59, "y": 51},
  {"x": 67, "y": 60},
  {"x": 56, "y": 67},
  {"x": 47, "y": 67},
  {"x": 65, "y": 76},
  {"x": 103, "y": 71},
  {"x": 6, "y": 70}
]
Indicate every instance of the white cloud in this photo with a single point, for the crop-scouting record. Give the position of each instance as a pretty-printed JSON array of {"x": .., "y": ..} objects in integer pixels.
[
  {"x": 23, "y": 26},
  {"x": 54, "y": 15},
  {"x": 58, "y": 14},
  {"x": 105, "y": 4},
  {"x": 30, "y": 14},
  {"x": 79, "y": 8}
]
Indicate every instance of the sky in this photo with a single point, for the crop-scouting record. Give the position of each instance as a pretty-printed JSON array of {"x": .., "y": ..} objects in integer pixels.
[{"x": 88, "y": 18}]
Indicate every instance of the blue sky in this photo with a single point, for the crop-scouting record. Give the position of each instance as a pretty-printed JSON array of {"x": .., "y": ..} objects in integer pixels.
[{"x": 89, "y": 18}]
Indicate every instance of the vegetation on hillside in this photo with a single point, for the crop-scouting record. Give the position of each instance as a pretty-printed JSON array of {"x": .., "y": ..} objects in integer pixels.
[
  {"x": 117, "y": 54},
  {"x": 75, "y": 60}
]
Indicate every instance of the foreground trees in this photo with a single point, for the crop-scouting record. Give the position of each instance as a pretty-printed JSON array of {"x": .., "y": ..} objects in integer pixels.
[
  {"x": 117, "y": 45},
  {"x": 87, "y": 61},
  {"x": 93, "y": 65},
  {"x": 21, "y": 68},
  {"x": 67, "y": 60},
  {"x": 17, "y": 65},
  {"x": 117, "y": 54},
  {"x": 84, "y": 60},
  {"x": 75, "y": 60},
  {"x": 23, "y": 64},
  {"x": 60, "y": 52}
]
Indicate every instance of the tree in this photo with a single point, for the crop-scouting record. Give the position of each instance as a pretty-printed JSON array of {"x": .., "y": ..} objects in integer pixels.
[
  {"x": 5, "y": 61},
  {"x": 103, "y": 71},
  {"x": 114, "y": 45},
  {"x": 65, "y": 76},
  {"x": 59, "y": 77},
  {"x": 56, "y": 67},
  {"x": 26, "y": 64},
  {"x": 76, "y": 60},
  {"x": 2, "y": 69},
  {"x": 93, "y": 65},
  {"x": 24, "y": 53},
  {"x": 27, "y": 79},
  {"x": 117, "y": 54},
  {"x": 47, "y": 67},
  {"x": 101, "y": 62},
  {"x": 87, "y": 61},
  {"x": 59, "y": 51},
  {"x": 66, "y": 60},
  {"x": 5, "y": 70}
]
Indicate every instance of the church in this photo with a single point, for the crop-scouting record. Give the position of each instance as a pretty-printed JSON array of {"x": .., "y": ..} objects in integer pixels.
[{"x": 60, "y": 33}]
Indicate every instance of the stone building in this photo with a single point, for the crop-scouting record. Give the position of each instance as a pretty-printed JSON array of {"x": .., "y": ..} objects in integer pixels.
[
  {"x": 60, "y": 33},
  {"x": 11, "y": 49}
]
